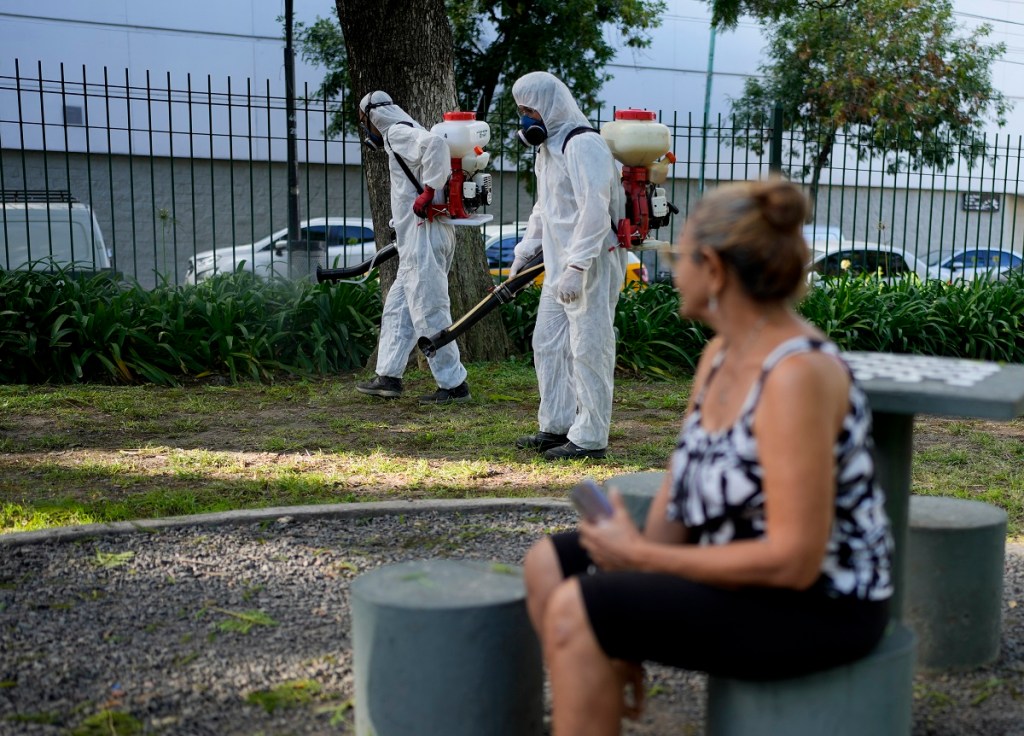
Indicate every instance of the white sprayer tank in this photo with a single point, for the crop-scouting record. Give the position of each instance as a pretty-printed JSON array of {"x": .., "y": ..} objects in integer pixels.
[
  {"x": 635, "y": 138},
  {"x": 463, "y": 133}
]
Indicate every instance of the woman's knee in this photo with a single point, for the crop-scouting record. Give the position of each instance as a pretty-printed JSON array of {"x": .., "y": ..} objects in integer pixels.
[
  {"x": 541, "y": 566},
  {"x": 565, "y": 617}
]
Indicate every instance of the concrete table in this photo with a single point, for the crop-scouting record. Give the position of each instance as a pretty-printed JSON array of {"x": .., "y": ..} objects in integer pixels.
[{"x": 900, "y": 386}]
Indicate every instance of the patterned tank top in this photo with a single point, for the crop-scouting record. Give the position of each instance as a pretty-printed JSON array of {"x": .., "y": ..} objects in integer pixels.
[{"x": 717, "y": 493}]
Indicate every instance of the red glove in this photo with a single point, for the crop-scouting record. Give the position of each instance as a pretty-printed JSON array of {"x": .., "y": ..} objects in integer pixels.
[{"x": 421, "y": 207}]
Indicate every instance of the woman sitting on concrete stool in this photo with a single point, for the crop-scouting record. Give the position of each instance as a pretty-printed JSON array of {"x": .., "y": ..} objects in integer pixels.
[{"x": 766, "y": 553}]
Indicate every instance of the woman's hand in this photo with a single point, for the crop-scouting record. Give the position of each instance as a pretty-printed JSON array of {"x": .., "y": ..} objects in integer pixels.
[{"x": 612, "y": 541}]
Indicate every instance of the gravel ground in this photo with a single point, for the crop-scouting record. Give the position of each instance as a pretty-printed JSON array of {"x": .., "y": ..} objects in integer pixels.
[{"x": 200, "y": 629}]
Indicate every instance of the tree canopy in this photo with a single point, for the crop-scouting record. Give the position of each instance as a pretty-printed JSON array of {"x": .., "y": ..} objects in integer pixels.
[
  {"x": 726, "y": 13},
  {"x": 496, "y": 41},
  {"x": 896, "y": 77}
]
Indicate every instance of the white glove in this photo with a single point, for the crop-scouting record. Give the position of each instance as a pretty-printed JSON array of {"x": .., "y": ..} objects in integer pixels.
[
  {"x": 570, "y": 286},
  {"x": 521, "y": 258},
  {"x": 517, "y": 265}
]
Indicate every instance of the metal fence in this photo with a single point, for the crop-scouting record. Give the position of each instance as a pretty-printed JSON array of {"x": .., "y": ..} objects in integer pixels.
[{"x": 173, "y": 168}]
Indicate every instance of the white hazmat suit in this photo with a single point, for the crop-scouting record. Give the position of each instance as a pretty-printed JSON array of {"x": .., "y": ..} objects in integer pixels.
[
  {"x": 418, "y": 302},
  {"x": 578, "y": 198}
]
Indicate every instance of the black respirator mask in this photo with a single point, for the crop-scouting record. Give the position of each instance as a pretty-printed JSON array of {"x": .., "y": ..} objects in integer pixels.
[
  {"x": 531, "y": 131},
  {"x": 373, "y": 141}
]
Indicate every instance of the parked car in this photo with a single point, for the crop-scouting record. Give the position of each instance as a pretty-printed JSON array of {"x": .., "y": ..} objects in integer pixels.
[
  {"x": 349, "y": 241},
  {"x": 823, "y": 237},
  {"x": 1011, "y": 272},
  {"x": 818, "y": 237},
  {"x": 501, "y": 241},
  {"x": 49, "y": 228},
  {"x": 859, "y": 258},
  {"x": 973, "y": 263}
]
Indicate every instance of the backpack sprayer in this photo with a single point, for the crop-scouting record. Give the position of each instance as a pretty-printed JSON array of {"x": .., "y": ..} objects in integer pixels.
[
  {"x": 641, "y": 145},
  {"x": 468, "y": 188}
]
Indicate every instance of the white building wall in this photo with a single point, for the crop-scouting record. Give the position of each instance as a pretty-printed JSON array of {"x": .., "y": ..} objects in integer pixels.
[{"x": 172, "y": 63}]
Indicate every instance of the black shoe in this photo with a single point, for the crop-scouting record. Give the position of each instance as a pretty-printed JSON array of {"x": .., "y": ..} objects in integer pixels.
[
  {"x": 568, "y": 451},
  {"x": 458, "y": 395},
  {"x": 384, "y": 386},
  {"x": 541, "y": 441}
]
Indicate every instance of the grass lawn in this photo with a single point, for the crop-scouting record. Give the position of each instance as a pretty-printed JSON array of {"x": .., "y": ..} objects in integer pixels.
[{"x": 81, "y": 454}]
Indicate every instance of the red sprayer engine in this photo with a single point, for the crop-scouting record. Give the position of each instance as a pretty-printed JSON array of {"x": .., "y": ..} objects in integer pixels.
[
  {"x": 641, "y": 145},
  {"x": 468, "y": 188}
]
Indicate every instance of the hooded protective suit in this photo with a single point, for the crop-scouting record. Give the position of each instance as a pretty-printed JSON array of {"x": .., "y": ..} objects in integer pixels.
[
  {"x": 418, "y": 302},
  {"x": 578, "y": 198}
]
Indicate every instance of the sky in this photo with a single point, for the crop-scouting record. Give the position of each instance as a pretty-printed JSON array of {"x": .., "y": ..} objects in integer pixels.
[{"x": 241, "y": 39}]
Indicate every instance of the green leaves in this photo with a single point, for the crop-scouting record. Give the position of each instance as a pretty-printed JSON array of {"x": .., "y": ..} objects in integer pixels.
[
  {"x": 56, "y": 328},
  {"x": 653, "y": 340},
  {"x": 983, "y": 319},
  {"x": 59, "y": 329},
  {"x": 889, "y": 79}
]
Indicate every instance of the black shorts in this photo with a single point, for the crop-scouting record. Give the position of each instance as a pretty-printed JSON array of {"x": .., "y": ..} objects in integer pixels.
[{"x": 747, "y": 633}]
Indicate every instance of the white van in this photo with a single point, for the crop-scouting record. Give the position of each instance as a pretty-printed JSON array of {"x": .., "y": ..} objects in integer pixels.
[{"x": 43, "y": 229}]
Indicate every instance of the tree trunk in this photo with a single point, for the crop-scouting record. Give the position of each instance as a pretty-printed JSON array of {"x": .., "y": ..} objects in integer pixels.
[{"x": 404, "y": 47}]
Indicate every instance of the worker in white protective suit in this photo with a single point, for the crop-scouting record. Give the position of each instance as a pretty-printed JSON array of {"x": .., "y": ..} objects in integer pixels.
[
  {"x": 578, "y": 198},
  {"x": 418, "y": 303}
]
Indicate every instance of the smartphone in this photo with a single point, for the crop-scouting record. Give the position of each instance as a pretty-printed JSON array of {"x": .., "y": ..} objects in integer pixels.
[{"x": 590, "y": 501}]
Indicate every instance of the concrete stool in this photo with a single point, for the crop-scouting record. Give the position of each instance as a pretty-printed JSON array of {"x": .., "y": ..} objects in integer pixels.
[
  {"x": 954, "y": 593},
  {"x": 870, "y": 696},
  {"x": 638, "y": 491},
  {"x": 445, "y": 647}
]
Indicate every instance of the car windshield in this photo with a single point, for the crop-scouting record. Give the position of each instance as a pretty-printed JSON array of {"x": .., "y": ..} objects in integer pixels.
[
  {"x": 336, "y": 234},
  {"x": 983, "y": 259},
  {"x": 501, "y": 252},
  {"x": 858, "y": 262},
  {"x": 821, "y": 233}
]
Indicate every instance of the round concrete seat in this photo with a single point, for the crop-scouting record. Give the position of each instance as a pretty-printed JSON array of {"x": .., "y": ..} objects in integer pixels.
[
  {"x": 445, "y": 647},
  {"x": 870, "y": 696},
  {"x": 954, "y": 595},
  {"x": 638, "y": 491}
]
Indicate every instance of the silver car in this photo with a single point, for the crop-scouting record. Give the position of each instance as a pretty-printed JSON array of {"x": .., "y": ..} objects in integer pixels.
[
  {"x": 859, "y": 258},
  {"x": 348, "y": 241}
]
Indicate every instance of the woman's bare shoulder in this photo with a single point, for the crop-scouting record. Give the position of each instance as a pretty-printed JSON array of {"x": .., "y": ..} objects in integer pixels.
[{"x": 811, "y": 376}]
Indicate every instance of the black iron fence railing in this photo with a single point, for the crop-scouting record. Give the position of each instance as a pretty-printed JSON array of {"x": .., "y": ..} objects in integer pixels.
[{"x": 174, "y": 175}]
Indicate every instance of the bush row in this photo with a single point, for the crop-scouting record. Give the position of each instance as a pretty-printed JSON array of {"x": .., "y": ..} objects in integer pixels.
[{"x": 59, "y": 329}]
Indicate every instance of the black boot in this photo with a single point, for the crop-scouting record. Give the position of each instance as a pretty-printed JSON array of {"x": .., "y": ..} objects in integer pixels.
[
  {"x": 384, "y": 386},
  {"x": 570, "y": 450},
  {"x": 541, "y": 441},
  {"x": 458, "y": 395}
]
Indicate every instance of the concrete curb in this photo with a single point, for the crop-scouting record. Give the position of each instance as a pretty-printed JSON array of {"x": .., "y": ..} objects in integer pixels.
[{"x": 248, "y": 516}]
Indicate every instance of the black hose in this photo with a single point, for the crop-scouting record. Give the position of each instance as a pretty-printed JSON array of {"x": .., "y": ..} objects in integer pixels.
[
  {"x": 501, "y": 294},
  {"x": 336, "y": 274}
]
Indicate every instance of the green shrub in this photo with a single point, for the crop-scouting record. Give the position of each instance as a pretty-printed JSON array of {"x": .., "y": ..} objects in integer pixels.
[
  {"x": 519, "y": 316},
  {"x": 653, "y": 340},
  {"x": 981, "y": 319},
  {"x": 59, "y": 329}
]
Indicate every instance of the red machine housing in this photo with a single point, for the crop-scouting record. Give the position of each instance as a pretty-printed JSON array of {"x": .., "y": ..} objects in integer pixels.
[
  {"x": 646, "y": 206},
  {"x": 465, "y": 191}
]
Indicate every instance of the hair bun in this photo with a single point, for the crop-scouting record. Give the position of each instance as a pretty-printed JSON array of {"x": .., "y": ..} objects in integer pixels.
[{"x": 782, "y": 204}]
